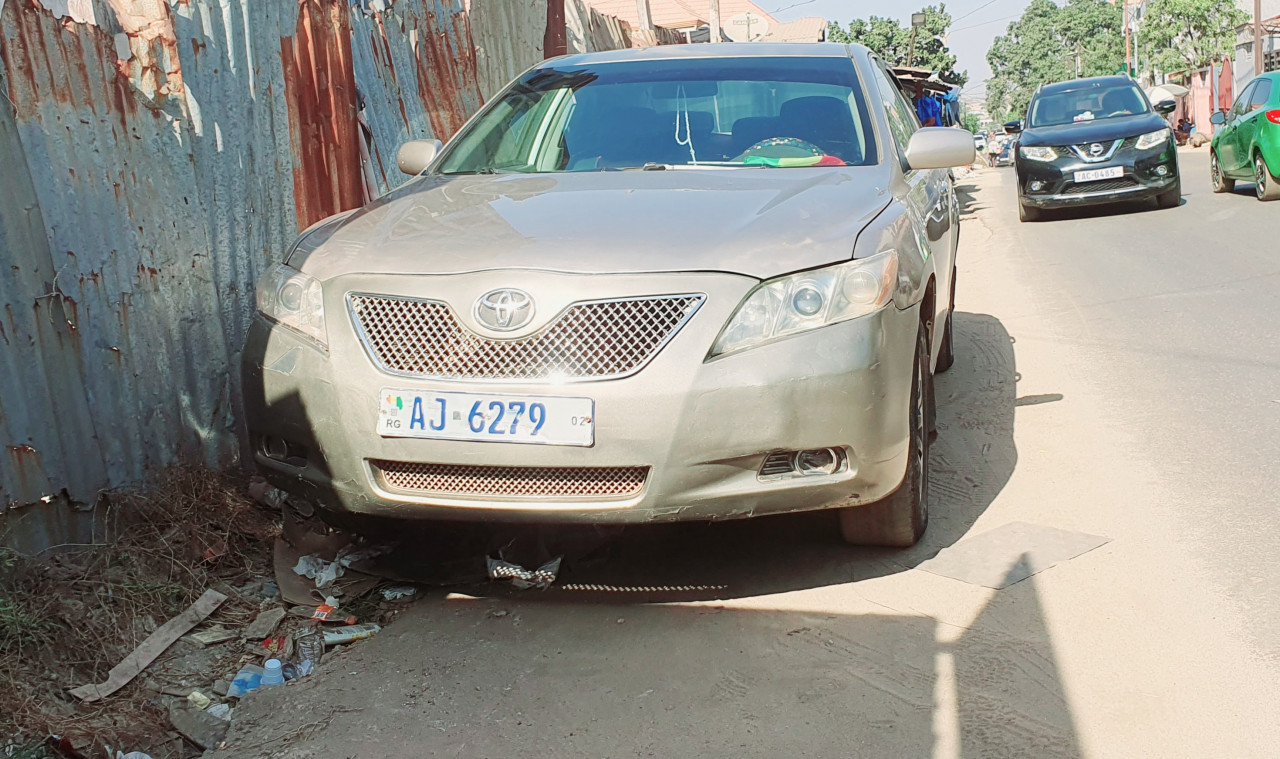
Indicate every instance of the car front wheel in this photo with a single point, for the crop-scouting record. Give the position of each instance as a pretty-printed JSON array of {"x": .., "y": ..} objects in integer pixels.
[
  {"x": 1027, "y": 213},
  {"x": 1221, "y": 182},
  {"x": 899, "y": 520},
  {"x": 1266, "y": 185},
  {"x": 1171, "y": 198}
]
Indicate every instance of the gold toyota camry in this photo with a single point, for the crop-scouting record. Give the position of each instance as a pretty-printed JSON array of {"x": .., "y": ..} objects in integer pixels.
[{"x": 695, "y": 282}]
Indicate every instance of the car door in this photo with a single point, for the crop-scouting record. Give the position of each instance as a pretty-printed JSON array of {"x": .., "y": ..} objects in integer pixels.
[
  {"x": 930, "y": 198},
  {"x": 1228, "y": 145},
  {"x": 1246, "y": 133}
]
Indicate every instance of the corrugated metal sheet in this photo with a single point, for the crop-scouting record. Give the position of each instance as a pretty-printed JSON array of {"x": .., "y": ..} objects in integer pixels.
[
  {"x": 590, "y": 31},
  {"x": 156, "y": 157},
  {"x": 508, "y": 36}
]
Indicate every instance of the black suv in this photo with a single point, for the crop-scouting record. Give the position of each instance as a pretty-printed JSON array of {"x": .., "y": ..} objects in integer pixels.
[{"x": 1092, "y": 141}]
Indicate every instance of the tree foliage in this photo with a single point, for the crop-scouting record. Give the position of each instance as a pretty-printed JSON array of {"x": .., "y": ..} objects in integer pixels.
[
  {"x": 1177, "y": 35},
  {"x": 1051, "y": 43},
  {"x": 892, "y": 41},
  {"x": 971, "y": 122}
]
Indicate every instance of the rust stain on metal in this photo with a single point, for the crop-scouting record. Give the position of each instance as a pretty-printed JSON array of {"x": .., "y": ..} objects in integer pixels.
[
  {"x": 321, "y": 93},
  {"x": 26, "y": 463},
  {"x": 555, "y": 41},
  {"x": 153, "y": 65},
  {"x": 448, "y": 79}
]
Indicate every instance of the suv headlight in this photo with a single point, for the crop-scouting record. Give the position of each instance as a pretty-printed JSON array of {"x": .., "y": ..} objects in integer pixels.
[
  {"x": 295, "y": 300},
  {"x": 1038, "y": 153},
  {"x": 1152, "y": 139},
  {"x": 809, "y": 300}
]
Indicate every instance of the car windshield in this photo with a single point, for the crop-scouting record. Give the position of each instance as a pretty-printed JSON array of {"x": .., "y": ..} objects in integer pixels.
[
  {"x": 1088, "y": 104},
  {"x": 716, "y": 112}
]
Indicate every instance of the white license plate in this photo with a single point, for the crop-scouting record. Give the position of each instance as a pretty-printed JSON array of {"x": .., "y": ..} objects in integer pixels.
[
  {"x": 1093, "y": 175},
  {"x": 490, "y": 417}
]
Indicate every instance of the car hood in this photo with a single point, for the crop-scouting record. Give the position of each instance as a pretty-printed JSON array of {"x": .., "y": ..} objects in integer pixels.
[
  {"x": 758, "y": 222},
  {"x": 1104, "y": 130}
]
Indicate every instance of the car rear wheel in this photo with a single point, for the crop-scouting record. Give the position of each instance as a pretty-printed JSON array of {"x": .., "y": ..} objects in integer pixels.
[
  {"x": 1221, "y": 182},
  {"x": 1028, "y": 213},
  {"x": 899, "y": 520},
  {"x": 1265, "y": 183},
  {"x": 1171, "y": 198}
]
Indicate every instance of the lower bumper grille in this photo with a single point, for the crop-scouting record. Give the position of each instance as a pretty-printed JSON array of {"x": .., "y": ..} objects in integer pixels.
[
  {"x": 511, "y": 483},
  {"x": 1109, "y": 185}
]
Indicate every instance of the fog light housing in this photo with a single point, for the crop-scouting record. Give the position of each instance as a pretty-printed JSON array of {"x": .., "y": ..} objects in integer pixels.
[
  {"x": 1162, "y": 171},
  {"x": 1037, "y": 186},
  {"x": 819, "y": 461}
]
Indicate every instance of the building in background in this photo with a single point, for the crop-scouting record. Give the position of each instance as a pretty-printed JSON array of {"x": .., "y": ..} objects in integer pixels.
[
  {"x": 1244, "y": 59},
  {"x": 740, "y": 20}
]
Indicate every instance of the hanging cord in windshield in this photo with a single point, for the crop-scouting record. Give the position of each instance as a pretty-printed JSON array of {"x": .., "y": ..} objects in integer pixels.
[{"x": 682, "y": 110}]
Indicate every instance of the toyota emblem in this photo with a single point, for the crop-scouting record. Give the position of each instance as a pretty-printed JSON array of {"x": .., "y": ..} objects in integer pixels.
[
  {"x": 1096, "y": 149},
  {"x": 504, "y": 310}
]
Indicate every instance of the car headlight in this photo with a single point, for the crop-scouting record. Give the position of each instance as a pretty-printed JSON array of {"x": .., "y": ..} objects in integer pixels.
[
  {"x": 1152, "y": 139},
  {"x": 1038, "y": 153},
  {"x": 295, "y": 300},
  {"x": 809, "y": 300}
]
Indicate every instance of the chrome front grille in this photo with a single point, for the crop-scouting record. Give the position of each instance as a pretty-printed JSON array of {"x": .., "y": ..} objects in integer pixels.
[
  {"x": 588, "y": 340},
  {"x": 1106, "y": 185},
  {"x": 512, "y": 483}
]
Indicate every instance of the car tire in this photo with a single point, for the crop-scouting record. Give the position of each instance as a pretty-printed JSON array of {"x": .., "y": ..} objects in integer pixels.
[
  {"x": 899, "y": 520},
  {"x": 946, "y": 352},
  {"x": 1265, "y": 183},
  {"x": 1172, "y": 198},
  {"x": 1221, "y": 182},
  {"x": 1028, "y": 213}
]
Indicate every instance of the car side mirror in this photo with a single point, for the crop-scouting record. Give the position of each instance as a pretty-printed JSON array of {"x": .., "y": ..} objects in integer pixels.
[
  {"x": 1166, "y": 107},
  {"x": 940, "y": 148},
  {"x": 416, "y": 155},
  {"x": 1013, "y": 127},
  {"x": 1219, "y": 118}
]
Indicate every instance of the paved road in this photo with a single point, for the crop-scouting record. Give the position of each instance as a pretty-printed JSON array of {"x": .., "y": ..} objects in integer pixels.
[{"x": 1117, "y": 377}]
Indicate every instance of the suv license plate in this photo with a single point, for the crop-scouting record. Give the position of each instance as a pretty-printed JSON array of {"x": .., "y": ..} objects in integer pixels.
[
  {"x": 1093, "y": 175},
  {"x": 488, "y": 417}
]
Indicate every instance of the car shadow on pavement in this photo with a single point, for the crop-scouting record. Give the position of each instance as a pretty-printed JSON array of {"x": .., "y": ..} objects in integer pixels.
[
  {"x": 513, "y": 677},
  {"x": 615, "y": 660},
  {"x": 971, "y": 460}
]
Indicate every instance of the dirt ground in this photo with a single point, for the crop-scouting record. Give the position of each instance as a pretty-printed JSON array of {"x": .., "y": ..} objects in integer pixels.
[{"x": 769, "y": 638}]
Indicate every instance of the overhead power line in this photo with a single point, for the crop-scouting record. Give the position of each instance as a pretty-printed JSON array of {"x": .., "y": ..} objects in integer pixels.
[{"x": 975, "y": 10}]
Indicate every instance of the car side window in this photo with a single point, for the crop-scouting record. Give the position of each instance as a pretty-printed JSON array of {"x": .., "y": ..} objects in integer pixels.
[
  {"x": 1240, "y": 105},
  {"x": 901, "y": 118},
  {"x": 1261, "y": 94}
]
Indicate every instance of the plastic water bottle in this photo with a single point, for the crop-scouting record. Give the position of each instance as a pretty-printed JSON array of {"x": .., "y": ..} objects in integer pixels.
[{"x": 271, "y": 673}]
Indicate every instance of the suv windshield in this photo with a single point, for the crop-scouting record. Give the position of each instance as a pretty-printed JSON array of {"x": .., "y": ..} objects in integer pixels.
[
  {"x": 716, "y": 112},
  {"x": 1088, "y": 104}
]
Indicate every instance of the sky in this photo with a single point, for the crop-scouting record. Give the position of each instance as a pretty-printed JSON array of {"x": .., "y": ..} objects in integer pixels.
[{"x": 974, "y": 24}]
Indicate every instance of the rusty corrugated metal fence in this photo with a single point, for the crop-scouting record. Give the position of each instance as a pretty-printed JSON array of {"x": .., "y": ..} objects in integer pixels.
[{"x": 157, "y": 155}]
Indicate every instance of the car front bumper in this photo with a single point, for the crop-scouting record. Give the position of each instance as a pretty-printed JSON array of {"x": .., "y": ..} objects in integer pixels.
[
  {"x": 702, "y": 427},
  {"x": 1057, "y": 188}
]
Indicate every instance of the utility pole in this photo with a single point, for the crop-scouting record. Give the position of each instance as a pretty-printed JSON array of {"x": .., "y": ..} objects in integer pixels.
[
  {"x": 1257, "y": 37},
  {"x": 646, "y": 18},
  {"x": 715, "y": 21},
  {"x": 917, "y": 21},
  {"x": 1128, "y": 49}
]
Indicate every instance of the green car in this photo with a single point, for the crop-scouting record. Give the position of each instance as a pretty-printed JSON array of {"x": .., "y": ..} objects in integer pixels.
[{"x": 1246, "y": 142}]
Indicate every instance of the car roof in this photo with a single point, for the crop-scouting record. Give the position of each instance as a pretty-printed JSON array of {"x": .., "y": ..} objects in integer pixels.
[
  {"x": 1074, "y": 85},
  {"x": 722, "y": 50}
]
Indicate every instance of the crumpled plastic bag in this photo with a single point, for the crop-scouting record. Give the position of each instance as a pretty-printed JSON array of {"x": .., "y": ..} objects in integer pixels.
[
  {"x": 525, "y": 579},
  {"x": 351, "y": 555},
  {"x": 322, "y": 572}
]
